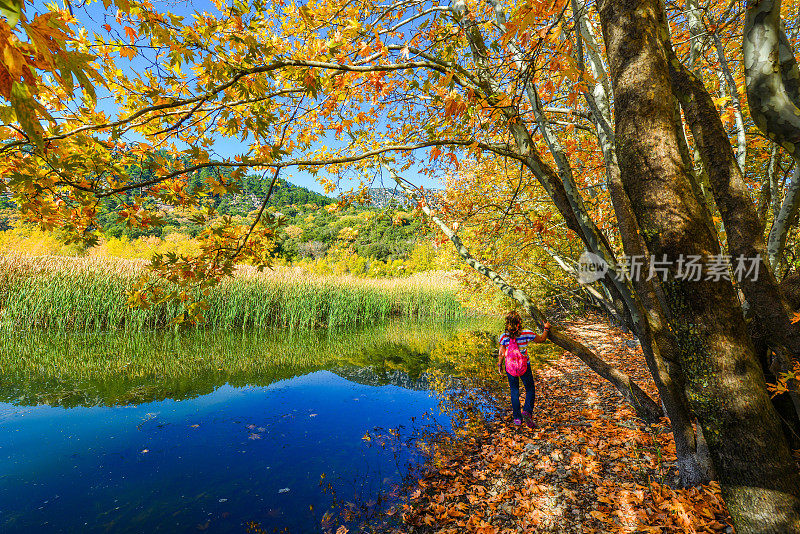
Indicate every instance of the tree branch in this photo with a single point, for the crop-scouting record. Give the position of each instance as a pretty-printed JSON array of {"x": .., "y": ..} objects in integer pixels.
[{"x": 645, "y": 407}]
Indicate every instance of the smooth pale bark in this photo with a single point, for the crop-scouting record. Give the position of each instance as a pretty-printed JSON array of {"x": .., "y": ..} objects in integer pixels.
[
  {"x": 724, "y": 382},
  {"x": 778, "y": 182},
  {"x": 645, "y": 407},
  {"x": 694, "y": 18},
  {"x": 733, "y": 92},
  {"x": 776, "y": 243},
  {"x": 771, "y": 75},
  {"x": 765, "y": 195}
]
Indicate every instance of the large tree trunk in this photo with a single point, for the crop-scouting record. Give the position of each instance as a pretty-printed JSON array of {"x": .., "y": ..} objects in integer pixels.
[
  {"x": 742, "y": 225},
  {"x": 724, "y": 381},
  {"x": 660, "y": 347},
  {"x": 645, "y": 310},
  {"x": 744, "y": 229},
  {"x": 658, "y": 343}
]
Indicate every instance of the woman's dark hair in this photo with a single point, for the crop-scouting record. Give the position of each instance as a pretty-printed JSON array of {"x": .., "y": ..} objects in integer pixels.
[{"x": 513, "y": 324}]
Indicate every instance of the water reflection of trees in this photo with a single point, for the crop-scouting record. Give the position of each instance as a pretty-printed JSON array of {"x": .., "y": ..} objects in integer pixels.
[{"x": 133, "y": 368}]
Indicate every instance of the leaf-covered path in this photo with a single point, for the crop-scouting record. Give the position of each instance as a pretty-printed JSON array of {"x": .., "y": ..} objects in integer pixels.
[{"x": 589, "y": 466}]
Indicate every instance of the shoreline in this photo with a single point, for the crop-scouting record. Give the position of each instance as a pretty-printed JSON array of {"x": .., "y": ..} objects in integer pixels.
[{"x": 589, "y": 467}]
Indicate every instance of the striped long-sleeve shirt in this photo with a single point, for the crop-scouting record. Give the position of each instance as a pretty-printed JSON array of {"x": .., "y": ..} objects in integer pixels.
[{"x": 524, "y": 337}]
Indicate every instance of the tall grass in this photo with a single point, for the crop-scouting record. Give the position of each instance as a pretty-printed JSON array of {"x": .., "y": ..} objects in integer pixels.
[{"x": 89, "y": 294}]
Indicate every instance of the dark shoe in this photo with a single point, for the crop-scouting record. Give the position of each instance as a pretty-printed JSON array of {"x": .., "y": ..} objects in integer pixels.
[
  {"x": 526, "y": 414},
  {"x": 530, "y": 423}
]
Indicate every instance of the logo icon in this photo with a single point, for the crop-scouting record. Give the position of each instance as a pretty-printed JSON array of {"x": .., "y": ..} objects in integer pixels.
[{"x": 591, "y": 268}]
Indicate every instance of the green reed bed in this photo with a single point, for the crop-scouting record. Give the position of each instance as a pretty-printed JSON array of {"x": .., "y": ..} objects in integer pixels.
[{"x": 90, "y": 294}]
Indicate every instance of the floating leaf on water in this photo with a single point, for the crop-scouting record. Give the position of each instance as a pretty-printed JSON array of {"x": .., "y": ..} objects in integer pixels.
[
  {"x": 254, "y": 436},
  {"x": 283, "y": 490}
]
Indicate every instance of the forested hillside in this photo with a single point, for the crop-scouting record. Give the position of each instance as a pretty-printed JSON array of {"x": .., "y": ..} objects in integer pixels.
[
  {"x": 378, "y": 239},
  {"x": 244, "y": 197}
]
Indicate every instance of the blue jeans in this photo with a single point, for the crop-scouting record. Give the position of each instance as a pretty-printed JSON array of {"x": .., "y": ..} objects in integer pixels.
[{"x": 530, "y": 392}]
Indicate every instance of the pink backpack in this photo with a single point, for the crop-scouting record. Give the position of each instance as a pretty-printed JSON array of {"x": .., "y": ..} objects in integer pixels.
[{"x": 516, "y": 362}]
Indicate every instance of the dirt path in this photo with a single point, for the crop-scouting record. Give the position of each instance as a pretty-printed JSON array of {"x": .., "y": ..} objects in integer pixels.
[{"x": 590, "y": 466}]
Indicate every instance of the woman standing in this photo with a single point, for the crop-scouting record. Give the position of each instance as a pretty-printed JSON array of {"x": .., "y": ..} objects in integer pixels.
[{"x": 515, "y": 338}]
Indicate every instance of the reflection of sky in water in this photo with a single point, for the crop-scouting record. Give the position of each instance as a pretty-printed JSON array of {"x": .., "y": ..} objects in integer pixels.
[{"x": 211, "y": 464}]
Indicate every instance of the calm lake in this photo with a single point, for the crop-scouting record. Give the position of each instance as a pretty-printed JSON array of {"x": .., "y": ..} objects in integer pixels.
[{"x": 212, "y": 431}]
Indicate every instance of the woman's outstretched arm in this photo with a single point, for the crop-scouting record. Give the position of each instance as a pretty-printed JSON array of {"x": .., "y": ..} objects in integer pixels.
[{"x": 541, "y": 338}]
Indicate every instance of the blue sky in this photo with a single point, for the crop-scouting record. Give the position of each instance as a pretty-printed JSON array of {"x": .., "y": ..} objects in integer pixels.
[{"x": 94, "y": 16}]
